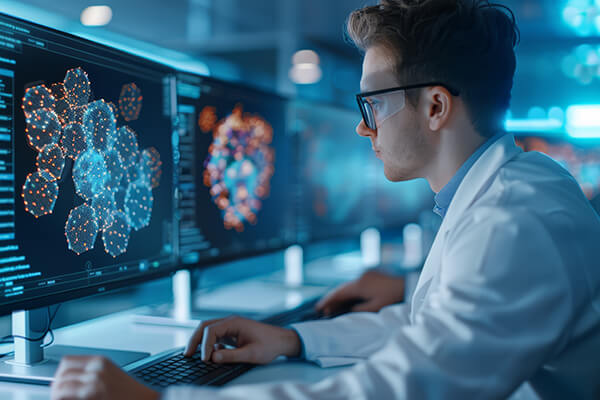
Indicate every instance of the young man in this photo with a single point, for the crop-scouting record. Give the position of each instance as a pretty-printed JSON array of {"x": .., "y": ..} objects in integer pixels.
[{"x": 510, "y": 292}]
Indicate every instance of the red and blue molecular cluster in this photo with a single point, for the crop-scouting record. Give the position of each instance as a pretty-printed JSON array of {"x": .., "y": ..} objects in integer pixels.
[
  {"x": 239, "y": 167},
  {"x": 113, "y": 178}
]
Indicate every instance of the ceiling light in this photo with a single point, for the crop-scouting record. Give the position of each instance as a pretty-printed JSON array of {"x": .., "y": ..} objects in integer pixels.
[
  {"x": 305, "y": 57},
  {"x": 583, "y": 121},
  {"x": 305, "y": 73},
  {"x": 96, "y": 15}
]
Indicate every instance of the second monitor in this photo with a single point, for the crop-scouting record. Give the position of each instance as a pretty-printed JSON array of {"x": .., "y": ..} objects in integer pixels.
[{"x": 234, "y": 171}]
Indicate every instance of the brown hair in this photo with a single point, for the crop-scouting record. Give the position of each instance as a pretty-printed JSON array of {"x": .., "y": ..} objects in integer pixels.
[{"x": 467, "y": 44}]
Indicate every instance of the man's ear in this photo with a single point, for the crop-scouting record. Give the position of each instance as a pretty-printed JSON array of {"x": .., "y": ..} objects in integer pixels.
[{"x": 438, "y": 107}]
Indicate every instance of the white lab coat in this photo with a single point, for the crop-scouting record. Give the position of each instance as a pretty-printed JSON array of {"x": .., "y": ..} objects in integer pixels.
[{"x": 510, "y": 293}]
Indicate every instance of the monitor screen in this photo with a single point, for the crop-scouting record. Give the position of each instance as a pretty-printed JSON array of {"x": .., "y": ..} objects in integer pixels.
[
  {"x": 234, "y": 171},
  {"x": 336, "y": 171},
  {"x": 343, "y": 185},
  {"x": 86, "y": 170},
  {"x": 581, "y": 158}
]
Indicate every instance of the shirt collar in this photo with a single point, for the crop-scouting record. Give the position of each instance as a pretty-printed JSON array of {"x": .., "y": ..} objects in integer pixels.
[{"x": 444, "y": 197}]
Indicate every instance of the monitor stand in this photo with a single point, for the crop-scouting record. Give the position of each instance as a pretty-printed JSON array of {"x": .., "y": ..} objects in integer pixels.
[
  {"x": 266, "y": 298},
  {"x": 34, "y": 364},
  {"x": 180, "y": 314}
]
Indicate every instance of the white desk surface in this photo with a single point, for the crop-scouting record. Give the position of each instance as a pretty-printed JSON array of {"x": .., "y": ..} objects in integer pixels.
[{"x": 120, "y": 332}]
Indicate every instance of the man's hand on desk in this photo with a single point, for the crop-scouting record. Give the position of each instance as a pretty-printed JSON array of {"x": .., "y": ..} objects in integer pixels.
[
  {"x": 255, "y": 342},
  {"x": 371, "y": 292},
  {"x": 97, "y": 378}
]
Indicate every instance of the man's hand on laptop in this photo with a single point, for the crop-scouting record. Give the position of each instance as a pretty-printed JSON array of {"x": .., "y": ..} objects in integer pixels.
[
  {"x": 371, "y": 292},
  {"x": 254, "y": 342},
  {"x": 97, "y": 378}
]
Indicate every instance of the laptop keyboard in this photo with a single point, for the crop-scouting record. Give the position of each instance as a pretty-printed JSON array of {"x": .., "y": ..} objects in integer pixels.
[{"x": 175, "y": 369}]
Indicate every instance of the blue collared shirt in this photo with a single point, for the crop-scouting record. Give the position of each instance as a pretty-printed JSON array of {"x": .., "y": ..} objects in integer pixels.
[{"x": 444, "y": 197}]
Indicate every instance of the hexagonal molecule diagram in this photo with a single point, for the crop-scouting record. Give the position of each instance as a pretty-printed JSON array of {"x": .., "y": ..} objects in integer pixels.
[
  {"x": 130, "y": 102},
  {"x": 37, "y": 97},
  {"x": 104, "y": 205},
  {"x": 73, "y": 141},
  {"x": 127, "y": 146},
  {"x": 77, "y": 87},
  {"x": 138, "y": 204},
  {"x": 61, "y": 104},
  {"x": 81, "y": 229},
  {"x": 43, "y": 127},
  {"x": 40, "y": 192},
  {"x": 239, "y": 167},
  {"x": 100, "y": 125},
  {"x": 114, "y": 167},
  {"x": 51, "y": 160},
  {"x": 110, "y": 173},
  {"x": 89, "y": 174},
  {"x": 116, "y": 235},
  {"x": 74, "y": 115}
]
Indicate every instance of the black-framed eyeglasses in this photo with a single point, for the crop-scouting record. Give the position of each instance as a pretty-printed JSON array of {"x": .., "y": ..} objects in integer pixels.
[{"x": 366, "y": 108}]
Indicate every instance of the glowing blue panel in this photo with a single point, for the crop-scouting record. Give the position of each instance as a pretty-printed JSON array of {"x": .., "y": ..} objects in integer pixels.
[
  {"x": 532, "y": 125},
  {"x": 582, "y": 16},
  {"x": 583, "y": 121}
]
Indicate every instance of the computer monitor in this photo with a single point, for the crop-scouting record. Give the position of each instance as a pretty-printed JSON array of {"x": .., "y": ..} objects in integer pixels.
[
  {"x": 234, "y": 191},
  {"x": 86, "y": 168},
  {"x": 344, "y": 186},
  {"x": 336, "y": 171},
  {"x": 581, "y": 157}
]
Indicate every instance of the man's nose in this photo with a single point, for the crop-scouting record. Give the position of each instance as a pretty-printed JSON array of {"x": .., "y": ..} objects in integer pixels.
[{"x": 363, "y": 130}]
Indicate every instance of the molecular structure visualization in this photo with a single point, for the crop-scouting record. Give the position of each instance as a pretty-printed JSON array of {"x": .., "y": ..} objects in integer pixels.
[
  {"x": 112, "y": 176},
  {"x": 239, "y": 167}
]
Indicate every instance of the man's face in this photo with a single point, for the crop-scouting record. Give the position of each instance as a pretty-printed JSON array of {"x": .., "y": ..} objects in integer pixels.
[{"x": 398, "y": 140}]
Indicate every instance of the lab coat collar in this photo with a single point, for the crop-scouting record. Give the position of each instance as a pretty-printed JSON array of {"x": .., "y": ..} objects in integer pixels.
[
  {"x": 498, "y": 154},
  {"x": 474, "y": 182}
]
